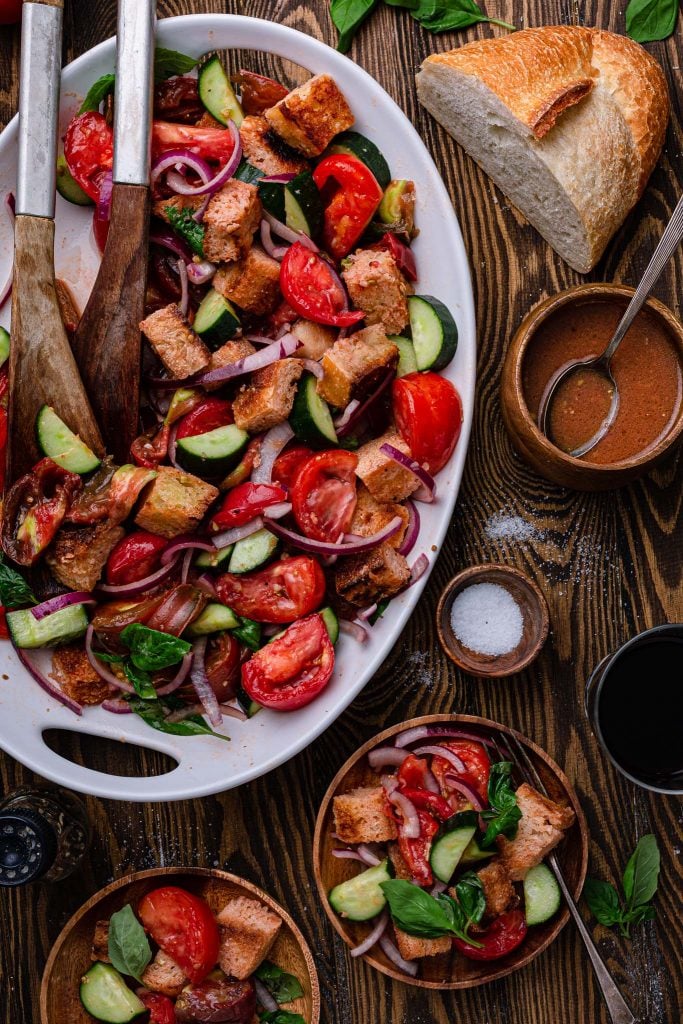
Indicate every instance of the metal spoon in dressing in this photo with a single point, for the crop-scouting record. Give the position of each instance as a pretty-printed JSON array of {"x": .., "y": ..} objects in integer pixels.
[{"x": 602, "y": 364}]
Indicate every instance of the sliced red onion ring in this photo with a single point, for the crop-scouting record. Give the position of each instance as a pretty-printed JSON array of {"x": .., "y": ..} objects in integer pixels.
[
  {"x": 117, "y": 706},
  {"x": 279, "y": 179},
  {"x": 7, "y": 287},
  {"x": 174, "y": 158},
  {"x": 467, "y": 791},
  {"x": 102, "y": 670},
  {"x": 140, "y": 586},
  {"x": 262, "y": 339},
  {"x": 343, "y": 420},
  {"x": 348, "y": 855},
  {"x": 443, "y": 752},
  {"x": 185, "y": 566},
  {"x": 205, "y": 583},
  {"x": 354, "y": 629},
  {"x": 361, "y": 410},
  {"x": 275, "y": 251},
  {"x": 168, "y": 241},
  {"x": 201, "y": 683},
  {"x": 281, "y": 349},
  {"x": 179, "y": 184},
  {"x": 351, "y": 547},
  {"x": 367, "y": 613},
  {"x": 382, "y": 757},
  {"x": 48, "y": 684},
  {"x": 373, "y": 936},
  {"x": 427, "y": 492},
  {"x": 183, "y": 544},
  {"x": 282, "y": 508},
  {"x": 418, "y": 569},
  {"x": 173, "y": 447},
  {"x": 427, "y": 732},
  {"x": 228, "y": 537},
  {"x": 289, "y": 234},
  {"x": 390, "y": 951},
  {"x": 412, "y": 529},
  {"x": 184, "y": 288},
  {"x": 55, "y": 604},
  {"x": 410, "y": 825},
  {"x": 368, "y": 856},
  {"x": 178, "y": 679},
  {"x": 264, "y": 998},
  {"x": 230, "y": 711},
  {"x": 271, "y": 446},
  {"x": 438, "y": 888},
  {"x": 201, "y": 273},
  {"x": 314, "y": 367},
  {"x": 198, "y": 215}
]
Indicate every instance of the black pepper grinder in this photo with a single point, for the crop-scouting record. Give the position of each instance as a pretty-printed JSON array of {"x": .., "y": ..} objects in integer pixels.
[{"x": 44, "y": 834}]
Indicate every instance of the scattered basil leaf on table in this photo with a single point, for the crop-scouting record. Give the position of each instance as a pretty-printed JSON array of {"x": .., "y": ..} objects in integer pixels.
[
  {"x": 141, "y": 680},
  {"x": 409, "y": 5},
  {"x": 347, "y": 16},
  {"x": 14, "y": 590},
  {"x": 282, "y": 1017},
  {"x": 428, "y": 917},
  {"x": 152, "y": 650},
  {"x": 639, "y": 883},
  {"x": 168, "y": 63},
  {"x": 184, "y": 224},
  {"x": 153, "y": 713},
  {"x": 97, "y": 93},
  {"x": 603, "y": 900},
  {"x": 283, "y": 987},
  {"x": 447, "y": 15},
  {"x": 503, "y": 814},
  {"x": 649, "y": 20},
  {"x": 129, "y": 949},
  {"x": 642, "y": 872},
  {"x": 249, "y": 632}
]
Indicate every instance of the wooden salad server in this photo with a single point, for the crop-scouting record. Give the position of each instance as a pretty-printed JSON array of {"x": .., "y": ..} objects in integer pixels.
[
  {"x": 42, "y": 369},
  {"x": 107, "y": 340}
]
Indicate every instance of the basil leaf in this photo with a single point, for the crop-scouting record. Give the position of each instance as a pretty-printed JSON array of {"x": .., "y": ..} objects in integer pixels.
[
  {"x": 152, "y": 650},
  {"x": 97, "y": 93},
  {"x": 249, "y": 632},
  {"x": 649, "y": 20},
  {"x": 471, "y": 898},
  {"x": 184, "y": 224},
  {"x": 603, "y": 900},
  {"x": 109, "y": 659},
  {"x": 282, "y": 1017},
  {"x": 446, "y": 15},
  {"x": 283, "y": 987},
  {"x": 504, "y": 813},
  {"x": 141, "y": 680},
  {"x": 409, "y": 5},
  {"x": 416, "y": 912},
  {"x": 642, "y": 872},
  {"x": 168, "y": 63},
  {"x": 347, "y": 17},
  {"x": 129, "y": 949},
  {"x": 14, "y": 590},
  {"x": 152, "y": 713}
]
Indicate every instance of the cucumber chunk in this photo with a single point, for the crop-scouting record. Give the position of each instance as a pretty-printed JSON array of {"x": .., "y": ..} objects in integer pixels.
[
  {"x": 541, "y": 894},
  {"x": 331, "y": 621},
  {"x": 253, "y": 551},
  {"x": 272, "y": 196},
  {"x": 450, "y": 844},
  {"x": 106, "y": 996},
  {"x": 473, "y": 852},
  {"x": 58, "y": 628},
  {"x": 214, "y": 559},
  {"x": 355, "y": 144},
  {"x": 407, "y": 360},
  {"x": 217, "y": 94},
  {"x": 4, "y": 346},
  {"x": 435, "y": 335},
  {"x": 214, "y": 453},
  {"x": 214, "y": 619},
  {"x": 249, "y": 706},
  {"x": 247, "y": 172},
  {"x": 61, "y": 444},
  {"x": 216, "y": 320},
  {"x": 361, "y": 897},
  {"x": 310, "y": 418},
  {"x": 68, "y": 187},
  {"x": 303, "y": 205}
]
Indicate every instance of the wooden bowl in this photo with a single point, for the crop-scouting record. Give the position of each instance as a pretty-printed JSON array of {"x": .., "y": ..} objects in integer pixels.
[
  {"x": 449, "y": 971},
  {"x": 70, "y": 955},
  {"x": 534, "y": 610},
  {"x": 533, "y": 446}
]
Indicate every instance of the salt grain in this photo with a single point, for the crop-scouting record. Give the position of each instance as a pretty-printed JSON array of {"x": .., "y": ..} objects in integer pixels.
[{"x": 486, "y": 618}]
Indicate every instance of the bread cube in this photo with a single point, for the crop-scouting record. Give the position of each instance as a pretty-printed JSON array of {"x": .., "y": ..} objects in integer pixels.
[
  {"x": 252, "y": 283},
  {"x": 72, "y": 671},
  {"x": 540, "y": 829},
  {"x": 385, "y": 478},
  {"x": 310, "y": 116},
  {"x": 411, "y": 947},
  {"x": 370, "y": 516},
  {"x": 230, "y": 352},
  {"x": 248, "y": 931},
  {"x": 315, "y": 339},
  {"x": 378, "y": 287},
  {"x": 268, "y": 399},
  {"x": 231, "y": 220},
  {"x": 363, "y": 816},
  {"x": 266, "y": 150},
  {"x": 175, "y": 503},
  {"x": 79, "y": 553},
  {"x": 164, "y": 975},
  {"x": 181, "y": 350},
  {"x": 365, "y": 579},
  {"x": 353, "y": 364}
]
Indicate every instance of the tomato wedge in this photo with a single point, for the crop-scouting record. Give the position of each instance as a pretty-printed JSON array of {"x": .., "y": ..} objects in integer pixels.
[
  {"x": 282, "y": 592},
  {"x": 244, "y": 502},
  {"x": 134, "y": 557},
  {"x": 210, "y": 143},
  {"x": 403, "y": 254},
  {"x": 183, "y": 925},
  {"x": 89, "y": 150},
  {"x": 416, "y": 851},
  {"x": 428, "y": 414},
  {"x": 353, "y": 203},
  {"x": 291, "y": 670},
  {"x": 161, "y": 1008},
  {"x": 324, "y": 495},
  {"x": 258, "y": 93},
  {"x": 477, "y": 764},
  {"x": 288, "y": 464},
  {"x": 210, "y": 414},
  {"x": 313, "y": 289},
  {"x": 504, "y": 934}
]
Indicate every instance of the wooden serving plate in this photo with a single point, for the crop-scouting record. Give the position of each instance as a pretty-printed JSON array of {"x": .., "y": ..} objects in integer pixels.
[
  {"x": 70, "y": 955},
  {"x": 449, "y": 971}
]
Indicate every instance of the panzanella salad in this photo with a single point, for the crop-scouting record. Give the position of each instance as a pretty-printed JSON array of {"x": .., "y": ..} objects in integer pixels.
[{"x": 293, "y": 416}]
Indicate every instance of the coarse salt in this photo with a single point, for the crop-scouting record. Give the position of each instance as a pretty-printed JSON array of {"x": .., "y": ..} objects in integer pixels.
[{"x": 486, "y": 618}]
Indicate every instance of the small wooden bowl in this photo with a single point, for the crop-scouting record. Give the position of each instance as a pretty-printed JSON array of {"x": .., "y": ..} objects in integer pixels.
[
  {"x": 533, "y": 446},
  {"x": 70, "y": 955},
  {"x": 449, "y": 971},
  {"x": 534, "y": 610}
]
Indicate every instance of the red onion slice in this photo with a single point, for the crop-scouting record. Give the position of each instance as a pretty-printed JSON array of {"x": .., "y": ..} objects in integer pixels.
[
  {"x": 224, "y": 540},
  {"x": 412, "y": 530},
  {"x": 368, "y": 856},
  {"x": 7, "y": 287},
  {"x": 184, "y": 288},
  {"x": 342, "y": 420},
  {"x": 205, "y": 583},
  {"x": 201, "y": 684},
  {"x": 174, "y": 158},
  {"x": 347, "y": 855},
  {"x": 178, "y": 679},
  {"x": 277, "y": 511},
  {"x": 382, "y": 757},
  {"x": 281, "y": 349},
  {"x": 47, "y": 684},
  {"x": 354, "y": 629},
  {"x": 117, "y": 706},
  {"x": 271, "y": 446},
  {"x": 140, "y": 586},
  {"x": 178, "y": 183},
  {"x": 230, "y": 711},
  {"x": 185, "y": 566},
  {"x": 102, "y": 215},
  {"x": 289, "y": 234},
  {"x": 467, "y": 791},
  {"x": 168, "y": 241},
  {"x": 201, "y": 273},
  {"x": 275, "y": 251},
  {"x": 418, "y": 569},
  {"x": 183, "y": 544},
  {"x": 427, "y": 732},
  {"x": 438, "y": 888},
  {"x": 367, "y": 613},
  {"x": 361, "y": 410},
  {"x": 55, "y": 604},
  {"x": 410, "y": 824},
  {"x": 351, "y": 547},
  {"x": 313, "y": 367},
  {"x": 445, "y": 753},
  {"x": 264, "y": 997},
  {"x": 373, "y": 936},
  {"x": 427, "y": 492},
  {"x": 390, "y": 951},
  {"x": 102, "y": 670}
]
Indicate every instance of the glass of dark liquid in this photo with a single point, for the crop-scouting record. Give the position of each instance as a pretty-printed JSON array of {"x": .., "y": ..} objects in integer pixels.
[{"x": 634, "y": 701}]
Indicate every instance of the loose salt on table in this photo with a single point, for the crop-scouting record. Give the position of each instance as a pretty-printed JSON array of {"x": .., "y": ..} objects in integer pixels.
[{"x": 486, "y": 618}]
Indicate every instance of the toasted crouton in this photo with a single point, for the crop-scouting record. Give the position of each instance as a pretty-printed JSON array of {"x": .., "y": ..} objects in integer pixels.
[
  {"x": 80, "y": 553},
  {"x": 72, "y": 671},
  {"x": 231, "y": 218},
  {"x": 248, "y": 931},
  {"x": 498, "y": 888},
  {"x": 100, "y": 943},
  {"x": 540, "y": 829},
  {"x": 315, "y": 339},
  {"x": 353, "y": 365},
  {"x": 164, "y": 975},
  {"x": 175, "y": 503},
  {"x": 401, "y": 869},
  {"x": 181, "y": 350},
  {"x": 252, "y": 283},
  {"x": 363, "y": 816},
  {"x": 160, "y": 207},
  {"x": 378, "y": 287},
  {"x": 230, "y": 352},
  {"x": 268, "y": 399},
  {"x": 365, "y": 579},
  {"x": 371, "y": 516},
  {"x": 411, "y": 947},
  {"x": 207, "y": 120},
  {"x": 266, "y": 150},
  {"x": 310, "y": 116},
  {"x": 383, "y": 476}
]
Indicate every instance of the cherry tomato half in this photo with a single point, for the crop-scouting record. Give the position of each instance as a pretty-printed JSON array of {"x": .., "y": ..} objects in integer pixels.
[
  {"x": 433, "y": 803},
  {"x": 428, "y": 414},
  {"x": 313, "y": 290},
  {"x": 291, "y": 670},
  {"x": 403, "y": 254},
  {"x": 353, "y": 203},
  {"x": 416, "y": 851},
  {"x": 209, "y": 143},
  {"x": 183, "y": 925},
  {"x": 89, "y": 150},
  {"x": 134, "y": 557},
  {"x": 282, "y": 592},
  {"x": 161, "y": 1008},
  {"x": 244, "y": 502},
  {"x": 10, "y": 11},
  {"x": 477, "y": 767},
  {"x": 504, "y": 934},
  {"x": 324, "y": 495},
  {"x": 210, "y": 414},
  {"x": 258, "y": 92}
]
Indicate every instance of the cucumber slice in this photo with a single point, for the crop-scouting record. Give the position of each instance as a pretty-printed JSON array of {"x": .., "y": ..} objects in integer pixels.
[
  {"x": 214, "y": 619},
  {"x": 68, "y": 187},
  {"x": 106, "y": 996},
  {"x": 249, "y": 706},
  {"x": 61, "y": 444},
  {"x": 355, "y": 144},
  {"x": 253, "y": 551},
  {"x": 247, "y": 172},
  {"x": 361, "y": 897},
  {"x": 303, "y": 205},
  {"x": 216, "y": 320},
  {"x": 407, "y": 360},
  {"x": 58, "y": 628},
  {"x": 217, "y": 94},
  {"x": 435, "y": 335},
  {"x": 331, "y": 623},
  {"x": 310, "y": 418},
  {"x": 272, "y": 196},
  {"x": 4, "y": 346},
  {"x": 214, "y": 560},
  {"x": 450, "y": 844},
  {"x": 473, "y": 852},
  {"x": 214, "y": 453},
  {"x": 542, "y": 895}
]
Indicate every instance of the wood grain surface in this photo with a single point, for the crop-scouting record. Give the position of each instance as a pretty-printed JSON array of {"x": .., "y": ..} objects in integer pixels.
[{"x": 609, "y": 564}]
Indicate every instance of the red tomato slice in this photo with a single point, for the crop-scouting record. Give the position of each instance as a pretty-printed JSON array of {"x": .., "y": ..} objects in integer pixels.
[
  {"x": 258, "y": 93},
  {"x": 244, "y": 502},
  {"x": 504, "y": 934},
  {"x": 291, "y": 670},
  {"x": 183, "y": 925},
  {"x": 412, "y": 772},
  {"x": 209, "y": 143},
  {"x": 416, "y": 851},
  {"x": 403, "y": 254},
  {"x": 4, "y": 631},
  {"x": 134, "y": 557},
  {"x": 212, "y": 413},
  {"x": 282, "y": 592},
  {"x": 477, "y": 763},
  {"x": 288, "y": 464},
  {"x": 313, "y": 289},
  {"x": 324, "y": 495},
  {"x": 162, "y": 1009},
  {"x": 352, "y": 205},
  {"x": 89, "y": 150},
  {"x": 222, "y": 666},
  {"x": 428, "y": 414}
]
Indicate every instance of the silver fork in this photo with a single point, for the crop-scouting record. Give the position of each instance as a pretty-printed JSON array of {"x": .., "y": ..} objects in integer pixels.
[{"x": 617, "y": 1007}]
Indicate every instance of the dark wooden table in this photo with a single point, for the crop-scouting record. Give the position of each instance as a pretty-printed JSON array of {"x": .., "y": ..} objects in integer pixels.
[{"x": 610, "y": 565}]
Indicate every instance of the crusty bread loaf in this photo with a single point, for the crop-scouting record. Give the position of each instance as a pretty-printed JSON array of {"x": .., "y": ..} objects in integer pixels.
[{"x": 568, "y": 121}]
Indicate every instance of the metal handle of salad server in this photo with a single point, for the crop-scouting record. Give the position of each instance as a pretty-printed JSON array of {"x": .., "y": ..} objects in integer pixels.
[
  {"x": 133, "y": 91},
  {"x": 39, "y": 84}
]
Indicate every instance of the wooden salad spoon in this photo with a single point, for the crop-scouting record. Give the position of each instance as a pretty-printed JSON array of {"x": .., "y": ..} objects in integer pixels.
[
  {"x": 107, "y": 340},
  {"x": 42, "y": 369}
]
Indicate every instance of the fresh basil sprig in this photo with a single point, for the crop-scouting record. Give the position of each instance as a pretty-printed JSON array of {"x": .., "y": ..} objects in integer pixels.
[
  {"x": 129, "y": 949},
  {"x": 141, "y": 680},
  {"x": 649, "y": 20},
  {"x": 153, "y": 713},
  {"x": 152, "y": 650},
  {"x": 639, "y": 883},
  {"x": 97, "y": 93},
  {"x": 14, "y": 590},
  {"x": 283, "y": 987},
  {"x": 503, "y": 814},
  {"x": 430, "y": 917}
]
